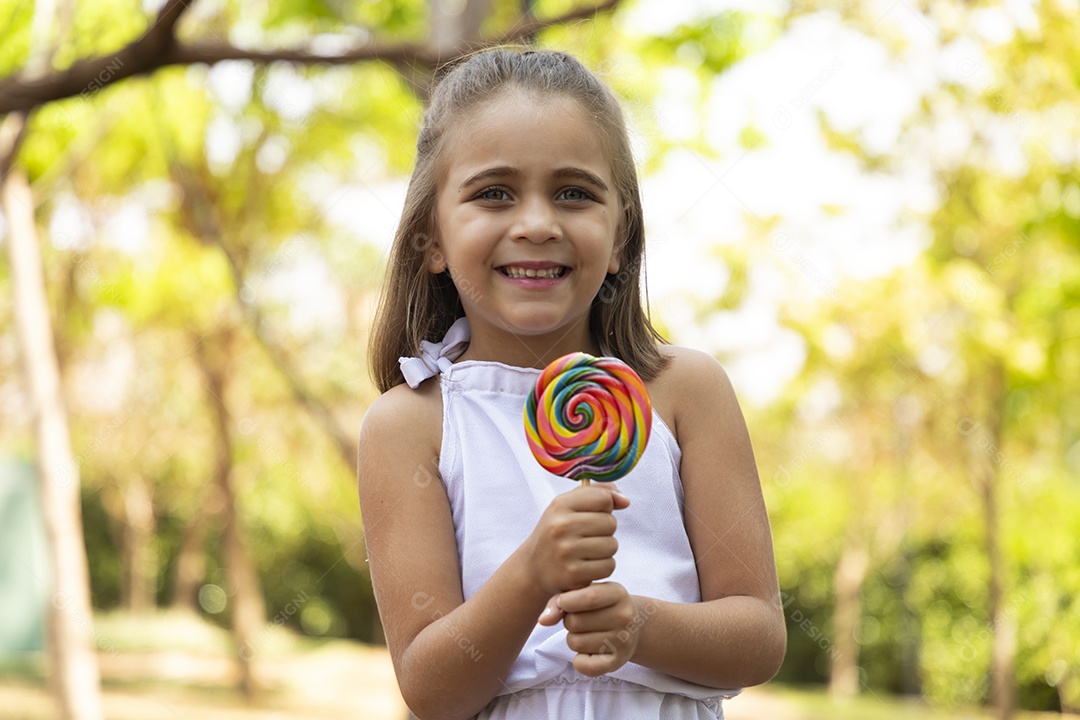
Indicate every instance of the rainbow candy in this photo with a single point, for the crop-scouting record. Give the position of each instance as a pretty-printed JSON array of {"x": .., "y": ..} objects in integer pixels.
[{"x": 588, "y": 418}]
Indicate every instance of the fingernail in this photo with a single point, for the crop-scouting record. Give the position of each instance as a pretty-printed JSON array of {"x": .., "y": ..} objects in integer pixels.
[
  {"x": 547, "y": 611},
  {"x": 620, "y": 495}
]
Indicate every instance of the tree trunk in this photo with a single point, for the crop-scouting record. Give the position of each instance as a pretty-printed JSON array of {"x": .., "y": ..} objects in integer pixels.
[
  {"x": 190, "y": 562},
  {"x": 73, "y": 666},
  {"x": 850, "y": 573},
  {"x": 986, "y": 450},
  {"x": 910, "y": 634},
  {"x": 140, "y": 559},
  {"x": 247, "y": 610},
  {"x": 907, "y": 414},
  {"x": 1002, "y": 623},
  {"x": 455, "y": 23},
  {"x": 1068, "y": 689}
]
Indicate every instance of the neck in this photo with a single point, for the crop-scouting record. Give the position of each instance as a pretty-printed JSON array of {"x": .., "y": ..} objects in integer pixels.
[{"x": 531, "y": 351}]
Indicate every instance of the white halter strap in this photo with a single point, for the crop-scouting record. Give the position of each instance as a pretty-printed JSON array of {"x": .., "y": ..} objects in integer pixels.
[{"x": 437, "y": 357}]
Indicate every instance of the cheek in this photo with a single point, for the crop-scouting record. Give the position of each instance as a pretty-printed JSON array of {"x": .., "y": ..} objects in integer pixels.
[
  {"x": 462, "y": 246},
  {"x": 605, "y": 232}
]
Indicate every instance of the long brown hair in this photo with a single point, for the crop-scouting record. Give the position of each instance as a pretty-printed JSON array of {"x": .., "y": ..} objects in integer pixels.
[{"x": 419, "y": 305}]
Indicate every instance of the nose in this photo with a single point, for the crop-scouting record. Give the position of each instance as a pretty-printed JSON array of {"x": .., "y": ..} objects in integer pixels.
[{"x": 536, "y": 220}]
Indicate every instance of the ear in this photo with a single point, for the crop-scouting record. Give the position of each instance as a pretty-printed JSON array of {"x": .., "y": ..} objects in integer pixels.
[
  {"x": 614, "y": 263},
  {"x": 436, "y": 261}
]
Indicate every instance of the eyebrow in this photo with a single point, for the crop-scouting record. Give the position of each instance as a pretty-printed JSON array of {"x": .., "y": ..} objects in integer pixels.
[{"x": 575, "y": 173}]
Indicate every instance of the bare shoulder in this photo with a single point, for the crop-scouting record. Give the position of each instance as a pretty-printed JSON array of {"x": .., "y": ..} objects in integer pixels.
[
  {"x": 693, "y": 385},
  {"x": 399, "y": 441},
  {"x": 688, "y": 365},
  {"x": 403, "y": 418}
]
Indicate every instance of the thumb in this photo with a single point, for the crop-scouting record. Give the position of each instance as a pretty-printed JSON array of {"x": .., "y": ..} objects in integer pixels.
[
  {"x": 620, "y": 501},
  {"x": 552, "y": 613}
]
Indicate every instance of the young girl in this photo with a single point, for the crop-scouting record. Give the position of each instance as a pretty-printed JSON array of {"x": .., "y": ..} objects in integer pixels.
[{"x": 499, "y": 585}]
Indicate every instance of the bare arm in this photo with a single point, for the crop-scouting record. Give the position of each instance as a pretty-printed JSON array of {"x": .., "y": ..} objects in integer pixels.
[
  {"x": 736, "y": 636},
  {"x": 451, "y": 657}
]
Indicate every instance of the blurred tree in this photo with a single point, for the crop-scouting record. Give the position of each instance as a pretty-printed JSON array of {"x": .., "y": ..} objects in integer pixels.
[
  {"x": 247, "y": 610},
  {"x": 942, "y": 382},
  {"x": 37, "y": 78},
  {"x": 74, "y": 670}
]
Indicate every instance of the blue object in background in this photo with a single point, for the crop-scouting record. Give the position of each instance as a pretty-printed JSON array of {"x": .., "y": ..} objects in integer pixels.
[{"x": 24, "y": 569}]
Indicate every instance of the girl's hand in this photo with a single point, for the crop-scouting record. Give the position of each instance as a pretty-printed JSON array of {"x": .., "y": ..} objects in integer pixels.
[
  {"x": 603, "y": 625},
  {"x": 573, "y": 543}
]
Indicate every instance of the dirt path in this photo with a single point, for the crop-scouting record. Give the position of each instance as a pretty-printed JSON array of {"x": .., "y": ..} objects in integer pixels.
[
  {"x": 757, "y": 704},
  {"x": 326, "y": 694},
  {"x": 342, "y": 681}
]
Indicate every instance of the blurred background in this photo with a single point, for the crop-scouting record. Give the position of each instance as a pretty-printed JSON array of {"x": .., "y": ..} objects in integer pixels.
[{"x": 868, "y": 211}]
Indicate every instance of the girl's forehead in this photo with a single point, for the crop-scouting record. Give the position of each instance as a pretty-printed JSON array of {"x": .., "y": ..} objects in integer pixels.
[{"x": 522, "y": 126}]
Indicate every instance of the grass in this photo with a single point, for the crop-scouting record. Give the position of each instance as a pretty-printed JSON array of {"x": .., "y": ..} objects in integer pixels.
[
  {"x": 817, "y": 703},
  {"x": 784, "y": 702}
]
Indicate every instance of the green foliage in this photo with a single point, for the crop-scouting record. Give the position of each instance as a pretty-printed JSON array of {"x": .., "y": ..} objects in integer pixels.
[
  {"x": 405, "y": 19},
  {"x": 714, "y": 44},
  {"x": 876, "y": 444},
  {"x": 309, "y": 14},
  {"x": 15, "y": 18},
  {"x": 100, "y": 28},
  {"x": 105, "y": 569}
]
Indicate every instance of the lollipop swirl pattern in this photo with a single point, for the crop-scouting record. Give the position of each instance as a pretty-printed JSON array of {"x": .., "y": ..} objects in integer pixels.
[{"x": 588, "y": 418}]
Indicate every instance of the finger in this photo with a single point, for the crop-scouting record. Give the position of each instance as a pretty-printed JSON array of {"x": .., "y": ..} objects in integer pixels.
[
  {"x": 597, "y": 665},
  {"x": 594, "y": 498},
  {"x": 582, "y": 572},
  {"x": 552, "y": 613},
  {"x": 592, "y": 643},
  {"x": 619, "y": 501},
  {"x": 604, "y": 620},
  {"x": 593, "y": 524},
  {"x": 598, "y": 547},
  {"x": 594, "y": 597}
]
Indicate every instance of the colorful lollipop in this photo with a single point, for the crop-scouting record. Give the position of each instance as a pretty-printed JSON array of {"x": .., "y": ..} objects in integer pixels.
[{"x": 588, "y": 418}]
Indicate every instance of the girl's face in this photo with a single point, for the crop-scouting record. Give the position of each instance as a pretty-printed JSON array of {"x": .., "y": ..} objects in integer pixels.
[{"x": 527, "y": 217}]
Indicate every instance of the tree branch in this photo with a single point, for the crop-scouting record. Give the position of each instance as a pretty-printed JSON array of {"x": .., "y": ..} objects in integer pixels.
[
  {"x": 158, "y": 48},
  {"x": 211, "y": 53},
  {"x": 87, "y": 76},
  {"x": 162, "y": 34},
  {"x": 202, "y": 222},
  {"x": 346, "y": 446},
  {"x": 529, "y": 25},
  {"x": 12, "y": 130}
]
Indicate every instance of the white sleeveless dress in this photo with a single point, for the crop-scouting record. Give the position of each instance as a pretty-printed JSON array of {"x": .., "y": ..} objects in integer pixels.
[{"x": 497, "y": 492}]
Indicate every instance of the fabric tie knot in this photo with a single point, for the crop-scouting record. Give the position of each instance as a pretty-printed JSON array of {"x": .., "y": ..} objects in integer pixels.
[{"x": 436, "y": 357}]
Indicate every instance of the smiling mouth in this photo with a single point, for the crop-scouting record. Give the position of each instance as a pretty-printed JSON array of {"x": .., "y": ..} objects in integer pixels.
[{"x": 547, "y": 273}]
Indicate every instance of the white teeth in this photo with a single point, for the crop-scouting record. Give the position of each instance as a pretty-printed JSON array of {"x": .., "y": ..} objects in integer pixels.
[{"x": 518, "y": 272}]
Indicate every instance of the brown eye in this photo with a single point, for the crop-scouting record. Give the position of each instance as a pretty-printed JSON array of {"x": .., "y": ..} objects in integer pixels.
[
  {"x": 496, "y": 194},
  {"x": 574, "y": 194}
]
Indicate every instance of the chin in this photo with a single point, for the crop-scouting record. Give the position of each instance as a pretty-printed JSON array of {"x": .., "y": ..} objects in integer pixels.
[{"x": 534, "y": 327}]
